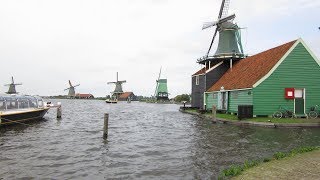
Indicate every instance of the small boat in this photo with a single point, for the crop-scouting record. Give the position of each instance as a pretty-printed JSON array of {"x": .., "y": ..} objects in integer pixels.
[
  {"x": 15, "y": 109},
  {"x": 111, "y": 101}
]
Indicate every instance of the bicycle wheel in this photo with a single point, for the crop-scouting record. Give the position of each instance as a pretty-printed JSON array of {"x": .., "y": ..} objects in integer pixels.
[
  {"x": 277, "y": 114},
  {"x": 313, "y": 114}
]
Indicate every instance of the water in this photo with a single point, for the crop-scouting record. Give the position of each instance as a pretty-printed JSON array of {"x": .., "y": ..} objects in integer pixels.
[{"x": 146, "y": 141}]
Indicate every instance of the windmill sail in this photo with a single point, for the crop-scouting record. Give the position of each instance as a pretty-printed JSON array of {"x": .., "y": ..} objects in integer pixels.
[{"x": 12, "y": 87}]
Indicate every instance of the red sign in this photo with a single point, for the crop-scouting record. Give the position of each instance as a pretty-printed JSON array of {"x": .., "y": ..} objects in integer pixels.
[{"x": 289, "y": 93}]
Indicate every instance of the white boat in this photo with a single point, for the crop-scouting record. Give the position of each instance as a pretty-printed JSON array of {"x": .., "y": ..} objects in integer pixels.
[
  {"x": 111, "y": 101},
  {"x": 19, "y": 108}
]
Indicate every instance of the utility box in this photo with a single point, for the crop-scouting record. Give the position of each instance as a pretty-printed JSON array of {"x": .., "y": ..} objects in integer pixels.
[{"x": 245, "y": 111}]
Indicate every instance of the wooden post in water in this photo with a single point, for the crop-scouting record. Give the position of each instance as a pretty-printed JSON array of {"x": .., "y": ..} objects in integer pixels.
[
  {"x": 59, "y": 110},
  {"x": 105, "y": 127},
  {"x": 214, "y": 112}
]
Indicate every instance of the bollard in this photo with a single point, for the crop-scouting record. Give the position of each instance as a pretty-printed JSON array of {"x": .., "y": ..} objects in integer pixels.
[
  {"x": 214, "y": 112},
  {"x": 59, "y": 110},
  {"x": 105, "y": 127}
]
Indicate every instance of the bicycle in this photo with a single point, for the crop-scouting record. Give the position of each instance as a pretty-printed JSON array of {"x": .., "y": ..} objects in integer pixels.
[
  {"x": 314, "y": 112},
  {"x": 283, "y": 112}
]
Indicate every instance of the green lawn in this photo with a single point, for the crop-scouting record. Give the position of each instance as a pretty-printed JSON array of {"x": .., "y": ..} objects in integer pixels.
[{"x": 259, "y": 119}]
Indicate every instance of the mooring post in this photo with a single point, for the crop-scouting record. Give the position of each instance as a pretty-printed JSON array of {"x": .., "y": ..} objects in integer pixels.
[
  {"x": 59, "y": 110},
  {"x": 214, "y": 112},
  {"x": 105, "y": 127}
]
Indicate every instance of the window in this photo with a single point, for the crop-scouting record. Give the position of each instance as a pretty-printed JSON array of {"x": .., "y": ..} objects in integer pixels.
[
  {"x": 214, "y": 95},
  {"x": 197, "y": 80},
  {"x": 235, "y": 94}
]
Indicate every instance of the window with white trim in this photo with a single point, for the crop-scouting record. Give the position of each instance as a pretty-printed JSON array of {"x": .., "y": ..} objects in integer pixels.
[{"x": 197, "y": 80}]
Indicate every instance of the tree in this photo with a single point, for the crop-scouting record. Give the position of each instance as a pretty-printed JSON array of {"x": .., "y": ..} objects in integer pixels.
[{"x": 182, "y": 97}]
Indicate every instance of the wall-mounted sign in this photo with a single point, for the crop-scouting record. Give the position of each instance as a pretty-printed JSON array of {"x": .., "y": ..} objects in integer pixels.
[{"x": 289, "y": 93}]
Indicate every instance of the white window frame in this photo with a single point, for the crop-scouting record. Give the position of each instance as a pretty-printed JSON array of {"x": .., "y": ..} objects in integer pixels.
[{"x": 197, "y": 80}]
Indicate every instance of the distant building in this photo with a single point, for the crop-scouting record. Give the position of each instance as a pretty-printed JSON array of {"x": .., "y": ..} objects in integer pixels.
[
  {"x": 84, "y": 96},
  {"x": 126, "y": 96}
]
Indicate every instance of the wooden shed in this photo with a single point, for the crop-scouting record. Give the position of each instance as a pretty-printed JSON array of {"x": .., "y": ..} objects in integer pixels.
[{"x": 287, "y": 75}]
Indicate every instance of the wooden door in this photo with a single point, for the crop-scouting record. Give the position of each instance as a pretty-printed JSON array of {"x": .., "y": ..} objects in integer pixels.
[{"x": 299, "y": 101}]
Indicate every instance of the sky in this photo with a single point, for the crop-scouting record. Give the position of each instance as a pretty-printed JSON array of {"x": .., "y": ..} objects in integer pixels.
[{"x": 45, "y": 43}]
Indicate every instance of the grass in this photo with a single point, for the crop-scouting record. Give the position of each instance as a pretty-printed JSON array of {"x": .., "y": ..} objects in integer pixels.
[
  {"x": 258, "y": 119},
  {"x": 235, "y": 170}
]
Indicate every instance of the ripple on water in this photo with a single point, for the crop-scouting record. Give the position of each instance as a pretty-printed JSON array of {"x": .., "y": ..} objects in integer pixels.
[{"x": 145, "y": 141}]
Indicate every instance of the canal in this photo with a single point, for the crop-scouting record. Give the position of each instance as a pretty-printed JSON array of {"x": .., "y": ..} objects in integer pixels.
[{"x": 146, "y": 141}]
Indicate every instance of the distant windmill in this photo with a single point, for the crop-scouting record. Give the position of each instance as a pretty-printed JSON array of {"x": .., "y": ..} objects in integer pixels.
[
  {"x": 118, "y": 90},
  {"x": 12, "y": 87},
  {"x": 71, "y": 92},
  {"x": 161, "y": 92}
]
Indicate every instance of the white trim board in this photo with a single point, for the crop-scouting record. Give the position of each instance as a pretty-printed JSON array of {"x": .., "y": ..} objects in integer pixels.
[
  {"x": 215, "y": 66},
  {"x": 283, "y": 58},
  {"x": 230, "y": 90}
]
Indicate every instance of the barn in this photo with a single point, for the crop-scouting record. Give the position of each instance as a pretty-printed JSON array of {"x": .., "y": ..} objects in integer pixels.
[{"x": 284, "y": 76}]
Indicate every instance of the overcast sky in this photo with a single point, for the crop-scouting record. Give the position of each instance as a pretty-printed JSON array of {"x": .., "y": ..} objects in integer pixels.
[{"x": 44, "y": 43}]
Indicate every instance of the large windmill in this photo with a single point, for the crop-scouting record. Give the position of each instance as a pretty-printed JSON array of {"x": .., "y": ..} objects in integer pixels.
[
  {"x": 12, "y": 87},
  {"x": 229, "y": 50},
  {"x": 118, "y": 90},
  {"x": 71, "y": 88},
  {"x": 229, "y": 44},
  {"x": 161, "y": 92}
]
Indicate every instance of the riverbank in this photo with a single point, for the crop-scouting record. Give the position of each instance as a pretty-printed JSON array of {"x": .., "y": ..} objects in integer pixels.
[
  {"x": 268, "y": 122},
  {"x": 299, "y": 166}
]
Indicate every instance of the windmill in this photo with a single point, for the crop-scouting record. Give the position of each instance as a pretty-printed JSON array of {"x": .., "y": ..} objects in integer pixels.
[
  {"x": 229, "y": 44},
  {"x": 12, "y": 87},
  {"x": 118, "y": 90},
  {"x": 229, "y": 50},
  {"x": 71, "y": 92},
  {"x": 161, "y": 92}
]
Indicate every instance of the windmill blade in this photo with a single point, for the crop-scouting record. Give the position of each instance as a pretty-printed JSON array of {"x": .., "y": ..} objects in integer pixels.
[
  {"x": 209, "y": 24},
  {"x": 66, "y": 89},
  {"x": 111, "y": 82},
  {"x": 70, "y": 83},
  {"x": 159, "y": 73},
  {"x": 76, "y": 85},
  {"x": 214, "y": 36},
  {"x": 12, "y": 80},
  {"x": 220, "y": 21},
  {"x": 18, "y": 84},
  {"x": 224, "y": 8},
  {"x": 7, "y": 84}
]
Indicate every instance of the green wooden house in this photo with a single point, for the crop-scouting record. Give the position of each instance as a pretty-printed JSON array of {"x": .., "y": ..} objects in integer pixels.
[{"x": 287, "y": 76}]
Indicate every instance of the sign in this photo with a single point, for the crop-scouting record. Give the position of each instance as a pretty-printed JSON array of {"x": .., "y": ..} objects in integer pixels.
[{"x": 289, "y": 93}]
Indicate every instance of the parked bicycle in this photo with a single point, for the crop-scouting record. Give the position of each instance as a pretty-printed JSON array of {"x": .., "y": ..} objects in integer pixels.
[
  {"x": 314, "y": 112},
  {"x": 283, "y": 112}
]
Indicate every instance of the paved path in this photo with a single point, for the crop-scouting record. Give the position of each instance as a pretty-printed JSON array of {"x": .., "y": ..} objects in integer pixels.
[{"x": 302, "y": 166}]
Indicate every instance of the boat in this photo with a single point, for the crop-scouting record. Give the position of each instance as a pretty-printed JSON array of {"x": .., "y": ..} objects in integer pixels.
[
  {"x": 15, "y": 109},
  {"x": 111, "y": 101}
]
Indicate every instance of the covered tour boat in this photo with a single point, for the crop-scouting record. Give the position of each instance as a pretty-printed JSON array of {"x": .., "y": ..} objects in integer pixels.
[{"x": 19, "y": 108}]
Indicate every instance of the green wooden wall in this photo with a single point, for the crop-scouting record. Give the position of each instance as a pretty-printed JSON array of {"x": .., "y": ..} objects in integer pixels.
[
  {"x": 211, "y": 99},
  {"x": 241, "y": 97},
  {"x": 298, "y": 70}
]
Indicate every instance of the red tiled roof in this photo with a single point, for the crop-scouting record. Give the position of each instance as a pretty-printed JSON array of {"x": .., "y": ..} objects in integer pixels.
[
  {"x": 247, "y": 72},
  {"x": 201, "y": 71},
  {"x": 83, "y": 95},
  {"x": 125, "y": 95}
]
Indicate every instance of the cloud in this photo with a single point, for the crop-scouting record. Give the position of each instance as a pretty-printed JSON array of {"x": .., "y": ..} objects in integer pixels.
[{"x": 46, "y": 43}]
